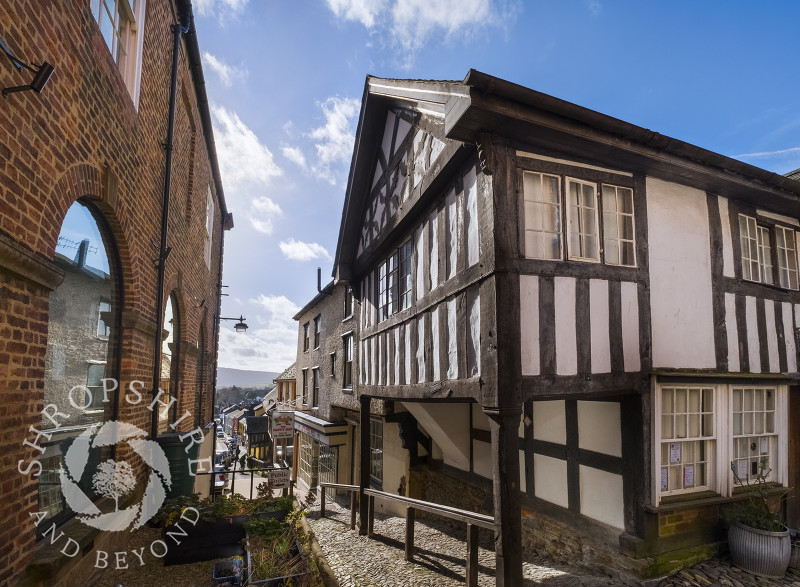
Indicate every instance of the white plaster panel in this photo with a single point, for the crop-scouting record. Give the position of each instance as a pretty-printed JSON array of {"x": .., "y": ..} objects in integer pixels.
[
  {"x": 373, "y": 379},
  {"x": 550, "y": 421},
  {"x": 448, "y": 425},
  {"x": 473, "y": 331},
  {"x": 772, "y": 337},
  {"x": 388, "y": 132},
  {"x": 407, "y": 342},
  {"x": 550, "y": 479},
  {"x": 480, "y": 421},
  {"x": 451, "y": 238},
  {"x": 788, "y": 335},
  {"x": 402, "y": 131},
  {"x": 601, "y": 496},
  {"x": 529, "y": 323},
  {"x": 421, "y": 371},
  {"x": 599, "y": 427},
  {"x": 419, "y": 245},
  {"x": 381, "y": 374},
  {"x": 566, "y": 341},
  {"x": 522, "y": 476},
  {"x": 436, "y": 367},
  {"x": 482, "y": 459},
  {"x": 599, "y": 326},
  {"x": 433, "y": 222},
  {"x": 752, "y": 334},
  {"x": 727, "y": 243},
  {"x": 731, "y": 326},
  {"x": 630, "y": 326},
  {"x": 452, "y": 340},
  {"x": 797, "y": 315},
  {"x": 437, "y": 147},
  {"x": 680, "y": 276},
  {"x": 396, "y": 358},
  {"x": 471, "y": 216}
]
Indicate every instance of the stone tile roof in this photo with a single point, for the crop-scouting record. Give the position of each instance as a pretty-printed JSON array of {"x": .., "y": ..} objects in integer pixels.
[{"x": 290, "y": 374}]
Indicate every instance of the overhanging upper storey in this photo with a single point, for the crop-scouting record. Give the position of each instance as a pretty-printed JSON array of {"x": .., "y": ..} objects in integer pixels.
[
  {"x": 522, "y": 115},
  {"x": 400, "y": 148}
]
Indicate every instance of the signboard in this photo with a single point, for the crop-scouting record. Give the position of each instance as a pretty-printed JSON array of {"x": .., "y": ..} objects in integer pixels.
[
  {"x": 282, "y": 425},
  {"x": 279, "y": 478}
]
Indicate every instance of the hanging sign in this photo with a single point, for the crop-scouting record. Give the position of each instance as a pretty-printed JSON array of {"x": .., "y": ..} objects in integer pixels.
[{"x": 282, "y": 425}]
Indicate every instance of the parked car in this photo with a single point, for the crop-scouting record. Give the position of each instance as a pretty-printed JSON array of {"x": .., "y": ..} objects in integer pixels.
[
  {"x": 220, "y": 433},
  {"x": 220, "y": 478}
]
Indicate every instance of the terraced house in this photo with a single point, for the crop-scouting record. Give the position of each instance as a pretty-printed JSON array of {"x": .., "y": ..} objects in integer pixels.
[
  {"x": 581, "y": 323},
  {"x": 110, "y": 262}
]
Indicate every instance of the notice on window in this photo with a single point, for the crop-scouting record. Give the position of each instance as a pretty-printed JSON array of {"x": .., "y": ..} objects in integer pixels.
[
  {"x": 741, "y": 469},
  {"x": 688, "y": 476},
  {"x": 674, "y": 452},
  {"x": 764, "y": 445},
  {"x": 664, "y": 479}
]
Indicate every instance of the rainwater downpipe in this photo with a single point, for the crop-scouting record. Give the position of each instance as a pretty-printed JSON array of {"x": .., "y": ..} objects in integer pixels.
[{"x": 177, "y": 31}]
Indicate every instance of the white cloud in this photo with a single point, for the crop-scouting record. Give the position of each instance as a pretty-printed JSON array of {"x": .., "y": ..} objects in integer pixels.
[
  {"x": 769, "y": 154},
  {"x": 243, "y": 159},
  {"x": 334, "y": 139},
  {"x": 227, "y": 73},
  {"x": 221, "y": 8},
  {"x": 410, "y": 24},
  {"x": 295, "y": 155},
  {"x": 300, "y": 251},
  {"x": 595, "y": 7},
  {"x": 271, "y": 348},
  {"x": 363, "y": 11},
  {"x": 263, "y": 210}
]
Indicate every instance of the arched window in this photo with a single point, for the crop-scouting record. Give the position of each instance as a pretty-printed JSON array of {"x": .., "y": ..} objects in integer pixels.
[
  {"x": 169, "y": 361},
  {"x": 82, "y": 349}
]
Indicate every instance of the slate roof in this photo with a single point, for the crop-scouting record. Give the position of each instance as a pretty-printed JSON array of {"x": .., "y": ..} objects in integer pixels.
[{"x": 290, "y": 374}]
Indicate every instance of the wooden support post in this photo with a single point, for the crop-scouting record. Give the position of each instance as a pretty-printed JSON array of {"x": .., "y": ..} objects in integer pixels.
[
  {"x": 353, "y": 507},
  {"x": 472, "y": 555},
  {"x": 410, "y": 534},
  {"x": 507, "y": 514},
  {"x": 371, "y": 516},
  {"x": 363, "y": 426},
  {"x": 321, "y": 502}
]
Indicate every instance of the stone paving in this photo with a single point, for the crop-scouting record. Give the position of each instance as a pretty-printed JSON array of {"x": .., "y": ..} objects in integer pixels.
[{"x": 440, "y": 559}]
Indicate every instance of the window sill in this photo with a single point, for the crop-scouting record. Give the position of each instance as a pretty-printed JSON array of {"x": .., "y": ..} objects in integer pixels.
[
  {"x": 349, "y": 317},
  {"x": 771, "y": 286},
  {"x": 347, "y": 390},
  {"x": 704, "y": 498}
]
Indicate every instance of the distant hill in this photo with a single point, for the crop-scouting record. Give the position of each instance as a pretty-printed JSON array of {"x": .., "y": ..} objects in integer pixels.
[{"x": 241, "y": 378}]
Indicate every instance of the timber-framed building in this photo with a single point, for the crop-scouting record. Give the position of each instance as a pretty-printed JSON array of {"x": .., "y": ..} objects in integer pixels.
[{"x": 583, "y": 321}]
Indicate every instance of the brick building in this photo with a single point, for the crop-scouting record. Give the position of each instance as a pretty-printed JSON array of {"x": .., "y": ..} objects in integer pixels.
[{"x": 85, "y": 160}]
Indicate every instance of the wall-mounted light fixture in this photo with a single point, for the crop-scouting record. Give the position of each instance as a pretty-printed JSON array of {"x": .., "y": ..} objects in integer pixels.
[
  {"x": 240, "y": 326},
  {"x": 41, "y": 73}
]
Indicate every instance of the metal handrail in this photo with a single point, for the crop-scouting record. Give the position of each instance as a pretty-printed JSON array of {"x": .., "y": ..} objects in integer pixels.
[
  {"x": 473, "y": 520},
  {"x": 465, "y": 516}
]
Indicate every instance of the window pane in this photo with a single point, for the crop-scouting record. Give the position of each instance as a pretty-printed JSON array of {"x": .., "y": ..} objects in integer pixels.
[{"x": 618, "y": 233}]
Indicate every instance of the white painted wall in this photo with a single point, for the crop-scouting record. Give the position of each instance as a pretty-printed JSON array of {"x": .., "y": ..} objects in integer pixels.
[
  {"x": 482, "y": 459},
  {"x": 395, "y": 466},
  {"x": 421, "y": 372},
  {"x": 529, "y": 323},
  {"x": 599, "y": 427},
  {"x": 471, "y": 216},
  {"x": 550, "y": 421},
  {"x": 601, "y": 496},
  {"x": 551, "y": 479},
  {"x": 452, "y": 340},
  {"x": 731, "y": 325},
  {"x": 772, "y": 336},
  {"x": 753, "y": 353},
  {"x": 727, "y": 243},
  {"x": 480, "y": 421},
  {"x": 680, "y": 276},
  {"x": 599, "y": 326},
  {"x": 473, "y": 331},
  {"x": 436, "y": 371},
  {"x": 566, "y": 342},
  {"x": 448, "y": 426},
  {"x": 791, "y": 357},
  {"x": 630, "y": 326}
]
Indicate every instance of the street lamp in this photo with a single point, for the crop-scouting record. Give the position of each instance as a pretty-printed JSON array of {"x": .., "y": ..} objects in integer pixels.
[{"x": 240, "y": 326}]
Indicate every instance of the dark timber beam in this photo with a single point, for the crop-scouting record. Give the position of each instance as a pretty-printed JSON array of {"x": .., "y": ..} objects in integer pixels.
[
  {"x": 363, "y": 502},
  {"x": 504, "y": 424}
]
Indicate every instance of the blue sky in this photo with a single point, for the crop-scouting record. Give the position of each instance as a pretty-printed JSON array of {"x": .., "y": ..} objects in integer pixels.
[{"x": 285, "y": 80}]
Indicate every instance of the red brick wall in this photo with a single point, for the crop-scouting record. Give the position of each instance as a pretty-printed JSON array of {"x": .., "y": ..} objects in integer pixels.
[{"x": 65, "y": 144}]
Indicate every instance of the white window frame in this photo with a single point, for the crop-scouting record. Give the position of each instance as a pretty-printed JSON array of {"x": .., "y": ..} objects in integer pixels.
[
  {"x": 723, "y": 481},
  {"x": 571, "y": 230},
  {"x": 390, "y": 276},
  {"x": 532, "y": 207},
  {"x": 617, "y": 214},
  {"x": 127, "y": 21},
  {"x": 777, "y": 265}
]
